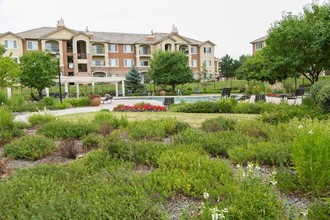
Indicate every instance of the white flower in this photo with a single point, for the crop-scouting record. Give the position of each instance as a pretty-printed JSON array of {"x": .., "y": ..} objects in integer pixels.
[
  {"x": 206, "y": 195},
  {"x": 274, "y": 172},
  {"x": 222, "y": 216},
  {"x": 273, "y": 182},
  {"x": 310, "y": 132},
  {"x": 305, "y": 213},
  {"x": 300, "y": 127},
  {"x": 225, "y": 210},
  {"x": 238, "y": 166}
]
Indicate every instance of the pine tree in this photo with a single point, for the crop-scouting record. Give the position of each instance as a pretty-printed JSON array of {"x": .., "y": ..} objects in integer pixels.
[{"x": 134, "y": 80}]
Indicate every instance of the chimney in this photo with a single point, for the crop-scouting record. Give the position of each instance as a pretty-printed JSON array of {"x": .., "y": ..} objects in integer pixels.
[
  {"x": 174, "y": 29},
  {"x": 60, "y": 23},
  {"x": 151, "y": 38}
]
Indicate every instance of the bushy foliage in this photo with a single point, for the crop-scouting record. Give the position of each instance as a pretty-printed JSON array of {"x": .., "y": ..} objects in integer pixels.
[
  {"x": 218, "y": 124},
  {"x": 145, "y": 130},
  {"x": 29, "y": 147},
  {"x": 108, "y": 118},
  {"x": 189, "y": 172},
  {"x": 247, "y": 108},
  {"x": 310, "y": 155},
  {"x": 40, "y": 119},
  {"x": 196, "y": 107},
  {"x": 77, "y": 102},
  {"x": 92, "y": 141},
  {"x": 268, "y": 153},
  {"x": 320, "y": 92},
  {"x": 215, "y": 144},
  {"x": 226, "y": 105},
  {"x": 61, "y": 129},
  {"x": 320, "y": 209},
  {"x": 6, "y": 120}
]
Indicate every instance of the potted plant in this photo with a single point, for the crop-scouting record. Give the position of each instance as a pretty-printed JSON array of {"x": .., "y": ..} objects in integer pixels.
[{"x": 94, "y": 100}]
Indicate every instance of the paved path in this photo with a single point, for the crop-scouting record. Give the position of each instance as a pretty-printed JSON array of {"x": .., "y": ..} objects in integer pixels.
[{"x": 24, "y": 117}]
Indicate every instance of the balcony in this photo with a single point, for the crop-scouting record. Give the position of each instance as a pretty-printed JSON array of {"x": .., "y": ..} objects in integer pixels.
[
  {"x": 98, "y": 51},
  {"x": 98, "y": 63},
  {"x": 144, "y": 52},
  {"x": 82, "y": 56}
]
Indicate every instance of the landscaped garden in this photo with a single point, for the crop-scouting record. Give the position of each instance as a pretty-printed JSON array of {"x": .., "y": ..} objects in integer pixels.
[{"x": 203, "y": 160}]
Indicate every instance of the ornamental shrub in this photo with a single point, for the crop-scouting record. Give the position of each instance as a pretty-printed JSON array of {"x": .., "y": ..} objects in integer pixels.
[
  {"x": 320, "y": 92},
  {"x": 31, "y": 147},
  {"x": 40, "y": 119},
  {"x": 218, "y": 124}
]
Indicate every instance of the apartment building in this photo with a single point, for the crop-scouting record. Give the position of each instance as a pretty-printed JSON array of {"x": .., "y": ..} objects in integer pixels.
[
  {"x": 106, "y": 54},
  {"x": 258, "y": 44}
]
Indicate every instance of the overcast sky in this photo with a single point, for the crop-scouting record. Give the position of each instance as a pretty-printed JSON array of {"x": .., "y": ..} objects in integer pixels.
[{"x": 230, "y": 24}]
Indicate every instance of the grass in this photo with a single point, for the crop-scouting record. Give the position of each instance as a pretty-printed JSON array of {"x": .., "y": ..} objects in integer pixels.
[{"x": 193, "y": 119}]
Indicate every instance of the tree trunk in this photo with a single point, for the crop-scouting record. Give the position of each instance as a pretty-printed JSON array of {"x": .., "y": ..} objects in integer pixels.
[{"x": 40, "y": 94}]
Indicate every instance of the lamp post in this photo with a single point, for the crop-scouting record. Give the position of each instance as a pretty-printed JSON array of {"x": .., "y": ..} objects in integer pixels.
[{"x": 59, "y": 74}]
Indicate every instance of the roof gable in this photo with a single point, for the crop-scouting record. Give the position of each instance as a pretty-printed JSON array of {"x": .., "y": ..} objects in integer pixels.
[
  {"x": 11, "y": 33},
  {"x": 60, "y": 33}
]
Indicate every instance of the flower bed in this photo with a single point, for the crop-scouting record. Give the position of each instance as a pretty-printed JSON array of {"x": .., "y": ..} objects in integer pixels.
[{"x": 139, "y": 108}]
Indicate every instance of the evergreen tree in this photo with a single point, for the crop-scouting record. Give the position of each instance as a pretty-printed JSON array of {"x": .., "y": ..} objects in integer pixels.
[{"x": 134, "y": 80}]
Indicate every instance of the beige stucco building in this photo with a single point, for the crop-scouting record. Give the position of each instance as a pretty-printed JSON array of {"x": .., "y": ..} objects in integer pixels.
[{"x": 106, "y": 54}]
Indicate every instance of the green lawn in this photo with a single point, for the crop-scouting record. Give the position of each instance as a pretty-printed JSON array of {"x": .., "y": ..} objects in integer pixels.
[{"x": 194, "y": 119}]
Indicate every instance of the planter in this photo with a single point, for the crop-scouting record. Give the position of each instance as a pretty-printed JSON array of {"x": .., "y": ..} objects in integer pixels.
[
  {"x": 95, "y": 101},
  {"x": 162, "y": 93}
]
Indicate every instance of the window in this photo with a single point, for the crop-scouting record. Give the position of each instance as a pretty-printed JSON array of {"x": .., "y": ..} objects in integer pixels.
[
  {"x": 193, "y": 63},
  {"x": 10, "y": 44},
  {"x": 144, "y": 63},
  {"x": 144, "y": 50},
  {"x": 208, "y": 63},
  {"x": 193, "y": 50},
  {"x": 259, "y": 45},
  {"x": 82, "y": 67},
  {"x": 128, "y": 62},
  {"x": 52, "y": 46},
  {"x": 32, "y": 45},
  {"x": 207, "y": 50},
  {"x": 113, "y": 48},
  {"x": 128, "y": 49},
  {"x": 98, "y": 62},
  {"x": 113, "y": 62},
  {"x": 97, "y": 49}
]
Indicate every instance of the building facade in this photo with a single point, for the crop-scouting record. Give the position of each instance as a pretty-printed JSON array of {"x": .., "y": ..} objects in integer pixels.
[
  {"x": 258, "y": 44},
  {"x": 106, "y": 54}
]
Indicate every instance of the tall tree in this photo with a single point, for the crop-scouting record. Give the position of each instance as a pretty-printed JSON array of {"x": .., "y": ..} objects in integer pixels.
[
  {"x": 170, "y": 68},
  {"x": 301, "y": 43},
  {"x": 226, "y": 66},
  {"x": 39, "y": 70},
  {"x": 9, "y": 72},
  {"x": 2, "y": 49},
  {"x": 204, "y": 76},
  {"x": 134, "y": 80}
]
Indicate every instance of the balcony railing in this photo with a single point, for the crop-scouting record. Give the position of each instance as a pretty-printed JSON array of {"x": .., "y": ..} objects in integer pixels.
[
  {"x": 98, "y": 51},
  {"x": 98, "y": 63},
  {"x": 144, "y": 52},
  {"x": 82, "y": 56}
]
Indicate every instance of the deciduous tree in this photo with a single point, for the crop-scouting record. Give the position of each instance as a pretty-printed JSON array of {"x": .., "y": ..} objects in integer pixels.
[{"x": 170, "y": 68}]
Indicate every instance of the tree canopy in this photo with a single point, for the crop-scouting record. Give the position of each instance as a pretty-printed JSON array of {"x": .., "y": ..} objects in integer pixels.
[
  {"x": 134, "y": 80},
  {"x": 9, "y": 72},
  {"x": 301, "y": 43},
  {"x": 2, "y": 49},
  {"x": 170, "y": 68},
  {"x": 39, "y": 70}
]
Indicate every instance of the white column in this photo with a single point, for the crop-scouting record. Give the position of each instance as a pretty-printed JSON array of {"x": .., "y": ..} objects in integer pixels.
[
  {"x": 8, "y": 92},
  {"x": 123, "y": 87},
  {"x": 116, "y": 89},
  {"x": 66, "y": 89},
  {"x": 77, "y": 89},
  {"x": 47, "y": 91},
  {"x": 93, "y": 87}
]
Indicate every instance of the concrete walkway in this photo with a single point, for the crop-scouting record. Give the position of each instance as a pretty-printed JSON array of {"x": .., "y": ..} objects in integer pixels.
[{"x": 24, "y": 117}]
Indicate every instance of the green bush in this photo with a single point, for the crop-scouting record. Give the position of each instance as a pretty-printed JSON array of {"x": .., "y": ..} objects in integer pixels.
[
  {"x": 268, "y": 153},
  {"x": 287, "y": 181},
  {"x": 247, "y": 108},
  {"x": 320, "y": 209},
  {"x": 6, "y": 119},
  {"x": 29, "y": 147},
  {"x": 94, "y": 187},
  {"x": 282, "y": 113},
  {"x": 320, "y": 92},
  {"x": 64, "y": 130},
  {"x": 255, "y": 129},
  {"x": 196, "y": 107},
  {"x": 218, "y": 124},
  {"x": 189, "y": 172},
  {"x": 40, "y": 119},
  {"x": 155, "y": 129},
  {"x": 226, "y": 105},
  {"x": 310, "y": 155},
  {"x": 92, "y": 141},
  {"x": 47, "y": 102},
  {"x": 103, "y": 117},
  {"x": 214, "y": 143},
  {"x": 77, "y": 102}
]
